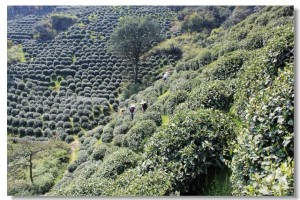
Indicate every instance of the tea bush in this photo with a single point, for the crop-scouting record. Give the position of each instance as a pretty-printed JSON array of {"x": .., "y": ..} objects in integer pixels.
[
  {"x": 99, "y": 152},
  {"x": 193, "y": 142},
  {"x": 216, "y": 94},
  {"x": 266, "y": 143},
  {"x": 156, "y": 183},
  {"x": 173, "y": 100},
  {"x": 135, "y": 137},
  {"x": 116, "y": 163}
]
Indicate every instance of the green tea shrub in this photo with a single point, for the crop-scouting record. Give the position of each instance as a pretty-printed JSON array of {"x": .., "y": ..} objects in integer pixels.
[
  {"x": 263, "y": 160},
  {"x": 153, "y": 183},
  {"x": 116, "y": 163},
  {"x": 262, "y": 67},
  {"x": 180, "y": 84},
  {"x": 173, "y": 100},
  {"x": 216, "y": 94},
  {"x": 228, "y": 65},
  {"x": 135, "y": 137},
  {"x": 121, "y": 129},
  {"x": 154, "y": 116},
  {"x": 99, "y": 152},
  {"x": 69, "y": 139},
  {"x": 107, "y": 134},
  {"x": 193, "y": 142},
  {"x": 118, "y": 140}
]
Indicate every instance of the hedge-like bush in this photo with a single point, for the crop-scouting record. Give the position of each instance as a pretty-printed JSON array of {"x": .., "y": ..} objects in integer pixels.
[
  {"x": 263, "y": 161},
  {"x": 99, "y": 152},
  {"x": 107, "y": 134},
  {"x": 193, "y": 142},
  {"x": 116, "y": 163},
  {"x": 135, "y": 138},
  {"x": 154, "y": 183},
  {"x": 216, "y": 94},
  {"x": 173, "y": 100}
]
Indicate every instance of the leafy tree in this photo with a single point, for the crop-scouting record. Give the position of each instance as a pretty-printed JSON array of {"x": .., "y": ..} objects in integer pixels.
[
  {"x": 43, "y": 30},
  {"x": 47, "y": 29},
  {"x": 133, "y": 37},
  {"x": 15, "y": 54},
  {"x": 24, "y": 152},
  {"x": 61, "y": 22}
]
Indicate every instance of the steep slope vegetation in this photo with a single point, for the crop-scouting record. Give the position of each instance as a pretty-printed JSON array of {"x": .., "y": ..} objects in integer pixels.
[
  {"x": 71, "y": 83},
  {"x": 230, "y": 113},
  {"x": 222, "y": 124}
]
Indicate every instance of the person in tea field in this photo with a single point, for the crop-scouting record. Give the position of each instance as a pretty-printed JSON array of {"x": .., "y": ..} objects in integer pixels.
[
  {"x": 131, "y": 110},
  {"x": 144, "y": 105}
]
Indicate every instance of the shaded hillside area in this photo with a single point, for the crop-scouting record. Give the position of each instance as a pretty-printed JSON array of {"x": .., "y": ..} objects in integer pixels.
[{"x": 221, "y": 124}]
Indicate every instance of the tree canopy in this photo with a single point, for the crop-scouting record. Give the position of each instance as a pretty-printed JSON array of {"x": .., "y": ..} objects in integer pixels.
[{"x": 133, "y": 37}]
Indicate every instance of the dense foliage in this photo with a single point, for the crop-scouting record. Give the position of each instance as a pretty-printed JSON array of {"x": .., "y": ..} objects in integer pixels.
[
  {"x": 133, "y": 37},
  {"x": 263, "y": 164},
  {"x": 222, "y": 123},
  {"x": 34, "y": 166}
]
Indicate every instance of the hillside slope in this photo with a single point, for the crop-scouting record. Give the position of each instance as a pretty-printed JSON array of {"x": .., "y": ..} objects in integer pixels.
[
  {"x": 222, "y": 124},
  {"x": 230, "y": 111}
]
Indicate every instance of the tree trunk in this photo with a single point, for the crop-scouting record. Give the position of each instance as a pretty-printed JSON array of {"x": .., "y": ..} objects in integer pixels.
[
  {"x": 136, "y": 70},
  {"x": 30, "y": 169}
]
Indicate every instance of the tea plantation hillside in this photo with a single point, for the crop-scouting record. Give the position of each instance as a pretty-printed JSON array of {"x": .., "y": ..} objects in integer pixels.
[
  {"x": 221, "y": 124},
  {"x": 70, "y": 83}
]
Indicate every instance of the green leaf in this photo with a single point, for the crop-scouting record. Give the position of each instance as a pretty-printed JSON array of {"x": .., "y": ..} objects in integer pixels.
[
  {"x": 261, "y": 119},
  {"x": 280, "y": 120}
]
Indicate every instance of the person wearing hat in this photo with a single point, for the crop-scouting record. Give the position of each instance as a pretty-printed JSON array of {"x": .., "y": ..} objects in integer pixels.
[
  {"x": 166, "y": 75},
  {"x": 122, "y": 111},
  {"x": 131, "y": 110},
  {"x": 144, "y": 105}
]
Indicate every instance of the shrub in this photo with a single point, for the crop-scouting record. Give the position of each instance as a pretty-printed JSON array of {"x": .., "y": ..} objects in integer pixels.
[
  {"x": 180, "y": 84},
  {"x": 195, "y": 141},
  {"x": 107, "y": 134},
  {"x": 173, "y": 100},
  {"x": 228, "y": 66},
  {"x": 72, "y": 167},
  {"x": 216, "y": 94},
  {"x": 153, "y": 116},
  {"x": 61, "y": 22},
  {"x": 263, "y": 160},
  {"x": 121, "y": 129},
  {"x": 135, "y": 138},
  {"x": 154, "y": 183},
  {"x": 131, "y": 89},
  {"x": 262, "y": 68},
  {"x": 99, "y": 152},
  {"x": 43, "y": 30},
  {"x": 118, "y": 140},
  {"x": 69, "y": 139},
  {"x": 116, "y": 163}
]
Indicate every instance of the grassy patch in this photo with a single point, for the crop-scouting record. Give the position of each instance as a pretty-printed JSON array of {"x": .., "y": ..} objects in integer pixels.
[
  {"x": 71, "y": 121},
  {"x": 57, "y": 85},
  {"x": 218, "y": 183},
  {"x": 73, "y": 59},
  {"x": 165, "y": 120},
  {"x": 83, "y": 130},
  {"x": 99, "y": 142},
  {"x": 81, "y": 25},
  {"x": 101, "y": 37},
  {"x": 164, "y": 95},
  {"x": 186, "y": 42}
]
